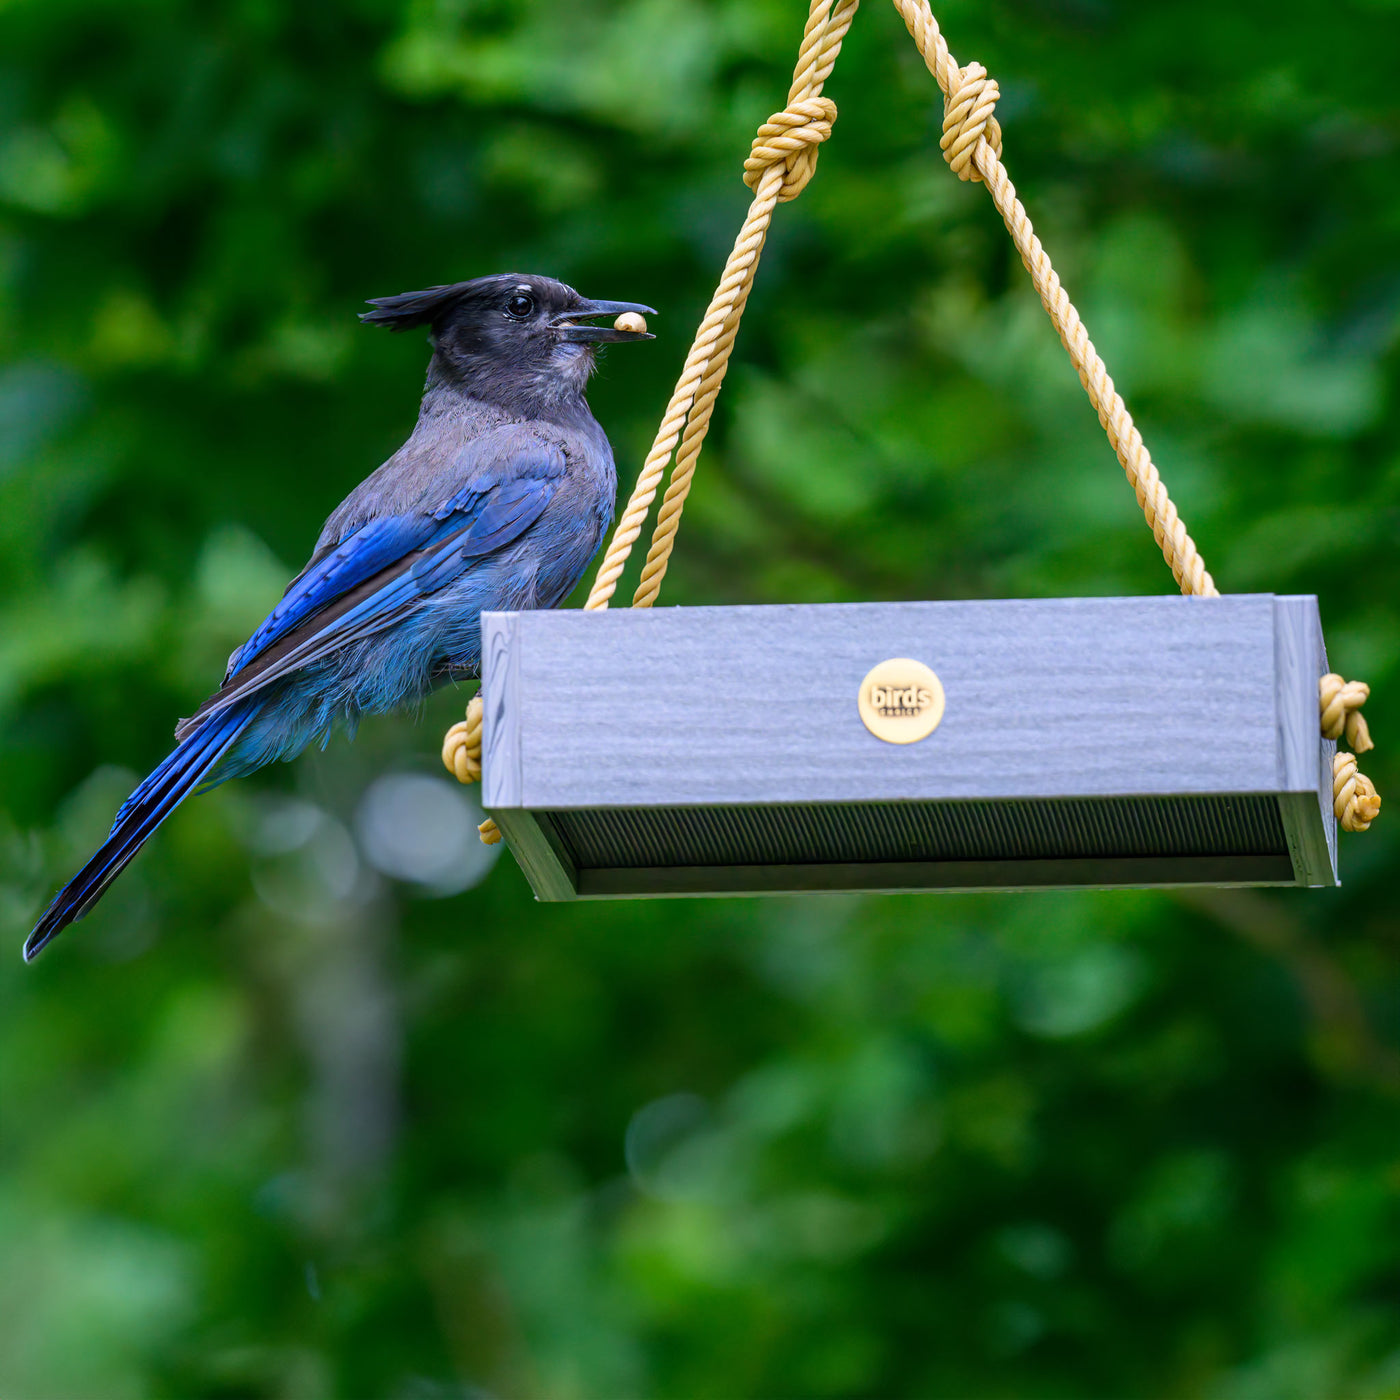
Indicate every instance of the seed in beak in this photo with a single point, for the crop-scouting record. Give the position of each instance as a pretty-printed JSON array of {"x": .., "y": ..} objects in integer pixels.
[{"x": 631, "y": 322}]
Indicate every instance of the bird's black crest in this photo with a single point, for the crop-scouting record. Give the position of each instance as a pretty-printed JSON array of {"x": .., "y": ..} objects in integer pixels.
[{"x": 409, "y": 309}]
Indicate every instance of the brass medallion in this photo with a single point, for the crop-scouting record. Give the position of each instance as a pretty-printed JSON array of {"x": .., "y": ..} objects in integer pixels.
[{"x": 901, "y": 701}]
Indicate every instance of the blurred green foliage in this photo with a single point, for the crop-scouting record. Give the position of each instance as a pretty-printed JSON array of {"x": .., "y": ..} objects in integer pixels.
[{"x": 293, "y": 1115}]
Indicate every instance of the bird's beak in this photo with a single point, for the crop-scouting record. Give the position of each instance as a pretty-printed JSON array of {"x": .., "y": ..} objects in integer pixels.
[{"x": 567, "y": 327}]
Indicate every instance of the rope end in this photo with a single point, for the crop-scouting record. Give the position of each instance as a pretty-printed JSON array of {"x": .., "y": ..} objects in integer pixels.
[{"x": 1358, "y": 735}]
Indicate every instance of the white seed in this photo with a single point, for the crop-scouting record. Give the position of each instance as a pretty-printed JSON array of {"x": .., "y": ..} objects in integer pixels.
[{"x": 631, "y": 321}]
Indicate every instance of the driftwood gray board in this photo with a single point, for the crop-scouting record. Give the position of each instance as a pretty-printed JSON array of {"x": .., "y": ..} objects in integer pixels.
[{"x": 1086, "y": 742}]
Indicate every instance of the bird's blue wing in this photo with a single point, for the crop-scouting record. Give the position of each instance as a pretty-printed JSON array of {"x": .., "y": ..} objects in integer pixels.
[
  {"x": 481, "y": 493},
  {"x": 501, "y": 517},
  {"x": 382, "y": 570},
  {"x": 373, "y": 547}
]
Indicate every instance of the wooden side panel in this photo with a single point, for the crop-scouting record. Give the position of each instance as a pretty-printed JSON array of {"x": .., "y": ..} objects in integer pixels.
[
  {"x": 1067, "y": 697},
  {"x": 501, "y": 782},
  {"x": 1305, "y": 757}
]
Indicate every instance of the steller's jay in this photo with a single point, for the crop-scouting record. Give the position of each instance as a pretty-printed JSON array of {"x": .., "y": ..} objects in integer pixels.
[{"x": 498, "y": 500}]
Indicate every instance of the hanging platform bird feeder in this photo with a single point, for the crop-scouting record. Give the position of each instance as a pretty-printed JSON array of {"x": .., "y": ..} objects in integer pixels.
[
  {"x": 766, "y": 749},
  {"x": 908, "y": 746}
]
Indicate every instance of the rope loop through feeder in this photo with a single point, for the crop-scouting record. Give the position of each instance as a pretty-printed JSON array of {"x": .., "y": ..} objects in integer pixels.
[
  {"x": 1354, "y": 797},
  {"x": 780, "y": 164},
  {"x": 461, "y": 756}
]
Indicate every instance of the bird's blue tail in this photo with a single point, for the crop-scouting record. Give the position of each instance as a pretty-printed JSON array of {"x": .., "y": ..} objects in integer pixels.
[{"x": 140, "y": 814}]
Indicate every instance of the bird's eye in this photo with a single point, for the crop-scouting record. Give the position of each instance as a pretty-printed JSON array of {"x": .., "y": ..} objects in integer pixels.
[{"x": 520, "y": 306}]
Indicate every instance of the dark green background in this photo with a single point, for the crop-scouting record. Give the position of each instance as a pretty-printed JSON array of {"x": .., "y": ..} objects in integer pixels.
[{"x": 274, "y": 1125}]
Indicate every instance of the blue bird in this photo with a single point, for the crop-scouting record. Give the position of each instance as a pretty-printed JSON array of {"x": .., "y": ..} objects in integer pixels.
[{"x": 498, "y": 501}]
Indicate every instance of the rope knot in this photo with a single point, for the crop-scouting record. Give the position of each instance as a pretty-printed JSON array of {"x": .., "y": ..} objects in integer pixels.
[
  {"x": 1341, "y": 709},
  {"x": 1354, "y": 797},
  {"x": 791, "y": 138},
  {"x": 968, "y": 119},
  {"x": 461, "y": 748},
  {"x": 461, "y": 756}
]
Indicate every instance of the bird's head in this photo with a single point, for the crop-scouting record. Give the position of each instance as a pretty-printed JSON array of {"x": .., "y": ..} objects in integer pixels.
[{"x": 516, "y": 338}]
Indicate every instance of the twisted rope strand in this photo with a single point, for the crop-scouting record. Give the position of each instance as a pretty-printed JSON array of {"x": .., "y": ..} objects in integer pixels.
[
  {"x": 971, "y": 138},
  {"x": 780, "y": 164},
  {"x": 789, "y": 142},
  {"x": 705, "y": 370},
  {"x": 668, "y": 518}
]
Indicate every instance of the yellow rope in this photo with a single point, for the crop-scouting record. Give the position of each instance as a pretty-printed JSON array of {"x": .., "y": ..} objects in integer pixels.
[
  {"x": 461, "y": 746},
  {"x": 1341, "y": 708},
  {"x": 788, "y": 142},
  {"x": 781, "y": 162},
  {"x": 972, "y": 147},
  {"x": 461, "y": 756},
  {"x": 1354, "y": 796}
]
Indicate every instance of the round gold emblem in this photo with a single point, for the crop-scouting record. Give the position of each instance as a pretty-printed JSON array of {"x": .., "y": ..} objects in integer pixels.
[{"x": 901, "y": 701}]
